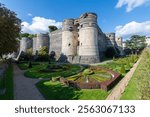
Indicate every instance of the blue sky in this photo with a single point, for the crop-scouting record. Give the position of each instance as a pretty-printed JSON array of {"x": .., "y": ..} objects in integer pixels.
[{"x": 125, "y": 17}]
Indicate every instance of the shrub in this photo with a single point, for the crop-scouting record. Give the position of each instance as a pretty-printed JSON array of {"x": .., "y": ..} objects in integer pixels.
[
  {"x": 54, "y": 79},
  {"x": 122, "y": 70},
  {"x": 87, "y": 72}
]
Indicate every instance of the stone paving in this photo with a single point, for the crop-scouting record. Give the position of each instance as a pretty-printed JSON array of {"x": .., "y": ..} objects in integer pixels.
[
  {"x": 118, "y": 90},
  {"x": 24, "y": 88}
]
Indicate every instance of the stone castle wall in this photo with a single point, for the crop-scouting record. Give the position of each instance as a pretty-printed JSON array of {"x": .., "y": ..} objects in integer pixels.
[
  {"x": 79, "y": 41},
  {"x": 56, "y": 42}
]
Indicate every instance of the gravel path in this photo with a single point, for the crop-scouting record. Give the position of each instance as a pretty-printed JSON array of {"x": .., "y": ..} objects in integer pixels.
[
  {"x": 24, "y": 88},
  {"x": 120, "y": 87}
]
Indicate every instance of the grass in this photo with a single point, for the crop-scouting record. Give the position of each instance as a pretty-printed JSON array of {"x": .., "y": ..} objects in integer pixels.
[
  {"x": 58, "y": 91},
  {"x": 139, "y": 85},
  {"x": 35, "y": 72},
  {"x": 8, "y": 84},
  {"x": 24, "y": 64}
]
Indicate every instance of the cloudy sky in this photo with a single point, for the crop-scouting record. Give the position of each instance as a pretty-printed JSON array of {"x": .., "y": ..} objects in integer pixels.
[{"x": 125, "y": 17}]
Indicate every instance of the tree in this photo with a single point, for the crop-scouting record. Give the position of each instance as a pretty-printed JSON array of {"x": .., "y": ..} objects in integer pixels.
[
  {"x": 24, "y": 35},
  {"x": 136, "y": 43},
  {"x": 27, "y": 35},
  {"x": 43, "y": 51},
  {"x": 52, "y": 28},
  {"x": 10, "y": 27},
  {"x": 52, "y": 57}
]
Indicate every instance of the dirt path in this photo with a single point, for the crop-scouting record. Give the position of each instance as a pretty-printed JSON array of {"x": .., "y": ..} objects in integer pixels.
[
  {"x": 24, "y": 88},
  {"x": 120, "y": 87}
]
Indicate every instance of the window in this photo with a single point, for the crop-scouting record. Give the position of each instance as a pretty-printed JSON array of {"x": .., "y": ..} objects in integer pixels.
[
  {"x": 69, "y": 44},
  {"x": 78, "y": 43}
]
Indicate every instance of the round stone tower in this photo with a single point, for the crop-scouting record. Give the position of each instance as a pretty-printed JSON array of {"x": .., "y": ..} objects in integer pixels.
[
  {"x": 42, "y": 40},
  {"x": 34, "y": 45},
  {"x": 69, "y": 38},
  {"x": 88, "y": 38},
  {"x": 25, "y": 44},
  {"x": 111, "y": 39}
]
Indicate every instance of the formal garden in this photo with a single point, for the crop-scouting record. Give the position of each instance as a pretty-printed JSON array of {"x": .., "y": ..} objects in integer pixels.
[{"x": 52, "y": 88}]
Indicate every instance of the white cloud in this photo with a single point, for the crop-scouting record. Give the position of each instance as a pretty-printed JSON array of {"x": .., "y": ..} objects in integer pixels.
[
  {"x": 39, "y": 25},
  {"x": 29, "y": 14},
  {"x": 131, "y": 4},
  {"x": 132, "y": 28}
]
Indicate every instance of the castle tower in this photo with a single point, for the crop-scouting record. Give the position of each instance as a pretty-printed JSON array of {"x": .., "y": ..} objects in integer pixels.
[
  {"x": 42, "y": 40},
  {"x": 119, "y": 41},
  {"x": 88, "y": 38},
  {"x": 25, "y": 44},
  {"x": 110, "y": 39},
  {"x": 69, "y": 38}
]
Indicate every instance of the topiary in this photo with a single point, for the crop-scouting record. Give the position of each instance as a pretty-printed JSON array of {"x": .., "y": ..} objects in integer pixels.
[
  {"x": 122, "y": 70},
  {"x": 87, "y": 72}
]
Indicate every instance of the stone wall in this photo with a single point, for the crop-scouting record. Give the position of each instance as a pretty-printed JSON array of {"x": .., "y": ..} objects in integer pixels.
[{"x": 56, "y": 42}]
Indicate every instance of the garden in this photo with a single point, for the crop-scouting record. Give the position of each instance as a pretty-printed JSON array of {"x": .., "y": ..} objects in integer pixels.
[
  {"x": 46, "y": 70},
  {"x": 103, "y": 75},
  {"x": 91, "y": 75},
  {"x": 139, "y": 85},
  {"x": 57, "y": 90}
]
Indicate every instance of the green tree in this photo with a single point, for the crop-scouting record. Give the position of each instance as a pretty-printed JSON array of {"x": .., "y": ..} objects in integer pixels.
[
  {"x": 136, "y": 43},
  {"x": 52, "y": 28},
  {"x": 27, "y": 35},
  {"x": 10, "y": 27},
  {"x": 24, "y": 35},
  {"x": 43, "y": 54},
  {"x": 43, "y": 51}
]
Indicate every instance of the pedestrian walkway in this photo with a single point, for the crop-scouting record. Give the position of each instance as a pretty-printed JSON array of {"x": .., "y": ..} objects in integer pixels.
[
  {"x": 116, "y": 93},
  {"x": 24, "y": 88}
]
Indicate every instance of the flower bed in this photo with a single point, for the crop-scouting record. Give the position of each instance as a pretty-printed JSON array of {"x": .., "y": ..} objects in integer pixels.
[{"x": 93, "y": 83}]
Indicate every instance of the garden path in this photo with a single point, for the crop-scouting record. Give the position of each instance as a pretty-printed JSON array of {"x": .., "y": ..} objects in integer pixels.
[
  {"x": 118, "y": 90},
  {"x": 24, "y": 88}
]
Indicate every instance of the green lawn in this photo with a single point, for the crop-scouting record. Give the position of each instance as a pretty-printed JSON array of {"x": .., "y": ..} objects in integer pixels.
[
  {"x": 8, "y": 84},
  {"x": 57, "y": 91},
  {"x": 36, "y": 72},
  {"x": 139, "y": 85},
  {"x": 24, "y": 64}
]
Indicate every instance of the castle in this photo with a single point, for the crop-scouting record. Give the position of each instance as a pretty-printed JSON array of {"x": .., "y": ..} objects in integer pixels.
[{"x": 80, "y": 41}]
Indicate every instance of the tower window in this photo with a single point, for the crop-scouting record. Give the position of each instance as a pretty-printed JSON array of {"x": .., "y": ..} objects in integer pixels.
[
  {"x": 69, "y": 44},
  {"x": 81, "y": 44},
  {"x": 78, "y": 43}
]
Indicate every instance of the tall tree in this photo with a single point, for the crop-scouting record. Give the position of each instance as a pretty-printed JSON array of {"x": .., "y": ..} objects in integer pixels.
[
  {"x": 10, "y": 27},
  {"x": 136, "y": 43},
  {"x": 52, "y": 28}
]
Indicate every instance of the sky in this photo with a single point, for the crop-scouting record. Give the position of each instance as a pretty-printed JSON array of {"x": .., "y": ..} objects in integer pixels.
[{"x": 124, "y": 17}]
